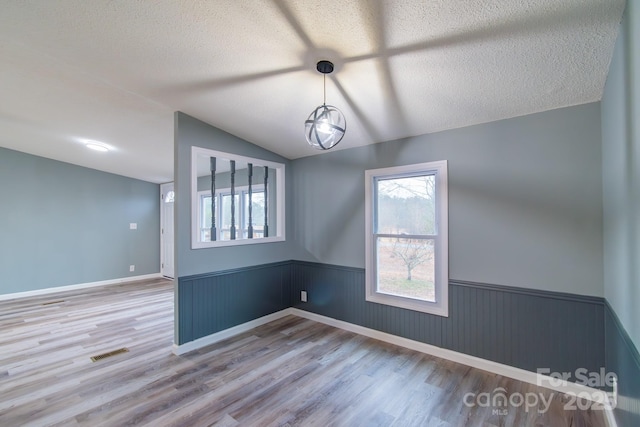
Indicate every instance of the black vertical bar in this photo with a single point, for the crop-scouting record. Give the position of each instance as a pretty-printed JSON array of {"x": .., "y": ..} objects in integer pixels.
[
  {"x": 233, "y": 199},
  {"x": 250, "y": 226},
  {"x": 266, "y": 202},
  {"x": 213, "y": 199}
]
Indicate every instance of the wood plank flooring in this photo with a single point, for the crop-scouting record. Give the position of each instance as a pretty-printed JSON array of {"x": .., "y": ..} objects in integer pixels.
[{"x": 289, "y": 372}]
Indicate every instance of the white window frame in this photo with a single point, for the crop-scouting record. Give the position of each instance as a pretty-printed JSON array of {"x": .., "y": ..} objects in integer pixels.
[
  {"x": 441, "y": 238},
  {"x": 279, "y": 205}
]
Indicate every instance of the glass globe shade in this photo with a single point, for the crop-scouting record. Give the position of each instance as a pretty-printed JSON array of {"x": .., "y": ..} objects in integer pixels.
[{"x": 325, "y": 127}]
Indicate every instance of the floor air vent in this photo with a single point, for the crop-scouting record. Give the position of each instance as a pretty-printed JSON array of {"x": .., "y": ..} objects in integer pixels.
[
  {"x": 109, "y": 354},
  {"x": 53, "y": 302}
]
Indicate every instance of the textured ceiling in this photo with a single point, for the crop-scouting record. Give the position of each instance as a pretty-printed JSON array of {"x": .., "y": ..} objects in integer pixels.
[{"x": 115, "y": 71}]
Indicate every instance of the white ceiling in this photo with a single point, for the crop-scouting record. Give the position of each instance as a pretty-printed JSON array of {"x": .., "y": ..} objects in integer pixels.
[{"x": 115, "y": 71}]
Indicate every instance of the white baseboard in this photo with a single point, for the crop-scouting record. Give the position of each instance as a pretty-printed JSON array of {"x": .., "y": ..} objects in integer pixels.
[
  {"x": 227, "y": 333},
  {"x": 78, "y": 286},
  {"x": 475, "y": 362}
]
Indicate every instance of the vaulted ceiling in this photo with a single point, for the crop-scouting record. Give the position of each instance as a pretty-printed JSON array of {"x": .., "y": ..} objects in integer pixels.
[{"x": 115, "y": 71}]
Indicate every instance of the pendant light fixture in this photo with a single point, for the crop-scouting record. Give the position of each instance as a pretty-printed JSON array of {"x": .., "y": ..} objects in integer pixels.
[{"x": 326, "y": 125}]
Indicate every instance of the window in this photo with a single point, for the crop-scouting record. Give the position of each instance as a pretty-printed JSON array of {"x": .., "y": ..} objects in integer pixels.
[
  {"x": 223, "y": 212},
  {"x": 407, "y": 237},
  {"x": 221, "y": 172}
]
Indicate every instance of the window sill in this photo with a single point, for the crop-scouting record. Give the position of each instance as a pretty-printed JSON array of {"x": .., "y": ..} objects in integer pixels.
[
  {"x": 409, "y": 303},
  {"x": 238, "y": 242}
]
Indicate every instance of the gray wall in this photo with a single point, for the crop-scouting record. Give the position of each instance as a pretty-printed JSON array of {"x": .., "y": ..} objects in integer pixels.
[
  {"x": 62, "y": 224},
  {"x": 621, "y": 183},
  {"x": 191, "y": 132},
  {"x": 525, "y": 200},
  {"x": 621, "y": 175},
  {"x": 216, "y": 301}
]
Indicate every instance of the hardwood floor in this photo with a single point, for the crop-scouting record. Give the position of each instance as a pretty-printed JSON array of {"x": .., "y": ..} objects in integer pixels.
[{"x": 289, "y": 372}]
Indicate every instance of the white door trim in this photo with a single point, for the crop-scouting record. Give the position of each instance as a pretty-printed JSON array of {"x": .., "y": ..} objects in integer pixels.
[{"x": 163, "y": 188}]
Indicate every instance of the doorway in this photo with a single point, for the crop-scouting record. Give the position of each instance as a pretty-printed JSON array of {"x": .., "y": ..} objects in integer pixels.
[{"x": 167, "y": 201}]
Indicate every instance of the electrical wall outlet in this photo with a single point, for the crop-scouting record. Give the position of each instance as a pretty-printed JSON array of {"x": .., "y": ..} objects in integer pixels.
[
  {"x": 133, "y": 226},
  {"x": 303, "y": 296},
  {"x": 132, "y": 268}
]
